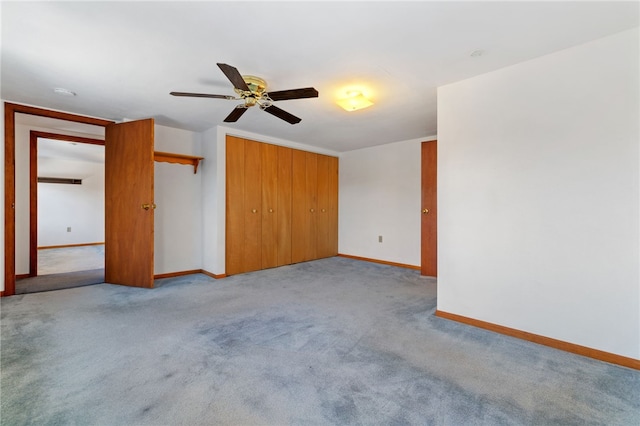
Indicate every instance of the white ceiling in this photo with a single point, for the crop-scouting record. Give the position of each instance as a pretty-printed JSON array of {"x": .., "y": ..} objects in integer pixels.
[
  {"x": 69, "y": 159},
  {"x": 123, "y": 58},
  {"x": 70, "y": 151}
]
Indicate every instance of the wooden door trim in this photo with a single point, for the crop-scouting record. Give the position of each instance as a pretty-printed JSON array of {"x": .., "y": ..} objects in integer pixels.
[
  {"x": 10, "y": 110},
  {"x": 34, "y": 135}
]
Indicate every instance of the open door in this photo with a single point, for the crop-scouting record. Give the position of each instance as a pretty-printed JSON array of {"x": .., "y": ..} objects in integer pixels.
[
  {"x": 429, "y": 225},
  {"x": 129, "y": 203}
]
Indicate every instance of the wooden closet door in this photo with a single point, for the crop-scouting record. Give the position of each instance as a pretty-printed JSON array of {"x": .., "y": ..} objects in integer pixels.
[
  {"x": 299, "y": 236},
  {"x": 252, "y": 256},
  {"x": 304, "y": 218},
  {"x": 283, "y": 210},
  {"x": 244, "y": 206},
  {"x": 269, "y": 165},
  {"x": 235, "y": 205},
  {"x": 332, "y": 208},
  {"x": 327, "y": 206},
  {"x": 312, "y": 206},
  {"x": 323, "y": 249}
]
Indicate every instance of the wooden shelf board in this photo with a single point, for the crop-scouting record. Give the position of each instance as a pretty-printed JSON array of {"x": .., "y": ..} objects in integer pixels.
[{"x": 168, "y": 157}]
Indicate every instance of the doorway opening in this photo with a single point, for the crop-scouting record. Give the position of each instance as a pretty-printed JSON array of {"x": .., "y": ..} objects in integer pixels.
[
  {"x": 19, "y": 120},
  {"x": 66, "y": 243}
]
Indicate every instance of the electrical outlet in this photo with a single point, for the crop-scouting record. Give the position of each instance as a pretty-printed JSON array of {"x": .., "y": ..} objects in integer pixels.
[
  {"x": 68, "y": 229},
  {"x": 379, "y": 238}
]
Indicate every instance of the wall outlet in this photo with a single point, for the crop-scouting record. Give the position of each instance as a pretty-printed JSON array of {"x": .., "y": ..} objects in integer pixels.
[
  {"x": 379, "y": 238},
  {"x": 68, "y": 229}
]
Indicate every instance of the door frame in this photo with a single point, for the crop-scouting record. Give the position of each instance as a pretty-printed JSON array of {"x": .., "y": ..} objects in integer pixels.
[
  {"x": 10, "y": 110},
  {"x": 34, "y": 135}
]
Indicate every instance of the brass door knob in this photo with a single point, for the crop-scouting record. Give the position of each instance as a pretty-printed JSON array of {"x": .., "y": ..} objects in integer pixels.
[
  {"x": 270, "y": 210},
  {"x": 146, "y": 206},
  {"x": 254, "y": 211},
  {"x": 425, "y": 211}
]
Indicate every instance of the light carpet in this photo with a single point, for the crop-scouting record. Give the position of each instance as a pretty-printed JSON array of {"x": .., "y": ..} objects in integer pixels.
[
  {"x": 335, "y": 341},
  {"x": 70, "y": 259},
  {"x": 59, "y": 281}
]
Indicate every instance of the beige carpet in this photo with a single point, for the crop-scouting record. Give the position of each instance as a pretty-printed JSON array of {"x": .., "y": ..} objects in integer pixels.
[
  {"x": 65, "y": 267},
  {"x": 330, "y": 342},
  {"x": 70, "y": 259}
]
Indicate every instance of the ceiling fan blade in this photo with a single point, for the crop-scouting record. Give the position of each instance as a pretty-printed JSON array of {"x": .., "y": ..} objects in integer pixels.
[
  {"x": 235, "y": 114},
  {"x": 281, "y": 95},
  {"x": 234, "y": 76},
  {"x": 201, "y": 95},
  {"x": 280, "y": 113}
]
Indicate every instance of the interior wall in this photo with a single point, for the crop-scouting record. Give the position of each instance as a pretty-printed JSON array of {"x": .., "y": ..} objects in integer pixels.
[
  {"x": 379, "y": 195},
  {"x": 178, "y": 196},
  {"x": 214, "y": 172},
  {"x": 539, "y": 194},
  {"x": 62, "y": 206}
]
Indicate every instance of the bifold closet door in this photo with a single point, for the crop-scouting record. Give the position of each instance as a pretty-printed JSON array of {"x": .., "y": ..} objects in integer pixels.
[
  {"x": 283, "y": 217},
  {"x": 244, "y": 206},
  {"x": 304, "y": 224},
  {"x": 327, "y": 211},
  {"x": 276, "y": 206}
]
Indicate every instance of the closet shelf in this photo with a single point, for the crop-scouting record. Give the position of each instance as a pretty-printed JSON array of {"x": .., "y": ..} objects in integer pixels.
[{"x": 168, "y": 157}]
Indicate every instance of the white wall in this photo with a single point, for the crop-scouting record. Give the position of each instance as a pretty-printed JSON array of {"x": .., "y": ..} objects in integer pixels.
[
  {"x": 214, "y": 172},
  {"x": 380, "y": 195},
  {"x": 178, "y": 196},
  {"x": 539, "y": 194},
  {"x": 80, "y": 207}
]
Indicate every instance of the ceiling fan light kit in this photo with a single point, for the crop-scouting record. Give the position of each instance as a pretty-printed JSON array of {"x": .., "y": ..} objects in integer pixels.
[{"x": 253, "y": 91}]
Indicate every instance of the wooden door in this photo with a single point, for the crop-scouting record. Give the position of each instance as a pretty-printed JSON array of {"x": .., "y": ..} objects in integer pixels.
[
  {"x": 429, "y": 223},
  {"x": 283, "y": 216},
  {"x": 252, "y": 253},
  {"x": 129, "y": 204},
  {"x": 332, "y": 208},
  {"x": 234, "y": 205},
  {"x": 244, "y": 206},
  {"x": 299, "y": 237},
  {"x": 270, "y": 210},
  {"x": 324, "y": 239},
  {"x": 311, "y": 248},
  {"x": 304, "y": 205}
]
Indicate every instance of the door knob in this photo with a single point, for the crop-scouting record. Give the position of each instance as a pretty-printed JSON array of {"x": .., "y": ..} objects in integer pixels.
[
  {"x": 146, "y": 206},
  {"x": 425, "y": 211},
  {"x": 254, "y": 211},
  {"x": 270, "y": 210}
]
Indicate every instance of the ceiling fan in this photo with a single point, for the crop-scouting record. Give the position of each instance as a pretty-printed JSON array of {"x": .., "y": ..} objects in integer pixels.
[{"x": 253, "y": 91}]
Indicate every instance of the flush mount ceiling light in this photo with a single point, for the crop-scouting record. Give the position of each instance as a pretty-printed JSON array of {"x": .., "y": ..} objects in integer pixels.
[
  {"x": 354, "y": 100},
  {"x": 63, "y": 92}
]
